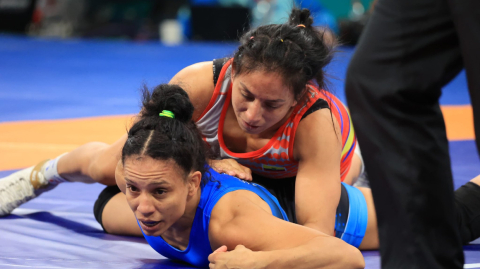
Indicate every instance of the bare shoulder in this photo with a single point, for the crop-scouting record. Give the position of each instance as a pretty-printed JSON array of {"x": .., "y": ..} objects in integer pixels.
[
  {"x": 318, "y": 130},
  {"x": 230, "y": 206},
  {"x": 322, "y": 119},
  {"x": 197, "y": 81}
]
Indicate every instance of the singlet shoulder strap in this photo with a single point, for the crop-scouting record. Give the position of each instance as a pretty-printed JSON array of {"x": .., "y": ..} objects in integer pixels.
[
  {"x": 319, "y": 104},
  {"x": 217, "y": 68}
]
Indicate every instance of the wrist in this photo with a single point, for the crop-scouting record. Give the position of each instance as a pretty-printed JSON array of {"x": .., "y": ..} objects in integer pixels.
[{"x": 262, "y": 260}]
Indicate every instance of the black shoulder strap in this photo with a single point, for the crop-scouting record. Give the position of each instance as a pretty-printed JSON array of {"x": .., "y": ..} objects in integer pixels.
[
  {"x": 217, "y": 68},
  {"x": 319, "y": 104}
]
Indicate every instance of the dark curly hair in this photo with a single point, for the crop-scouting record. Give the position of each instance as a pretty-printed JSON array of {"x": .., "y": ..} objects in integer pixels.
[
  {"x": 295, "y": 50},
  {"x": 164, "y": 138}
]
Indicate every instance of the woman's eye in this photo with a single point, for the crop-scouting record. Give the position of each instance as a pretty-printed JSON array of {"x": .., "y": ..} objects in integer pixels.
[
  {"x": 159, "y": 191},
  {"x": 248, "y": 98},
  {"x": 132, "y": 188},
  {"x": 272, "y": 106}
]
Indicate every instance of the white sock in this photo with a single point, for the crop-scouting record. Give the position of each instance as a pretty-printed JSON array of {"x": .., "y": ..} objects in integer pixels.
[{"x": 50, "y": 171}]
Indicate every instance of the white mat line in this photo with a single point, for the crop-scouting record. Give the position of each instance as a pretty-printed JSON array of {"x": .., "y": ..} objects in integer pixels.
[
  {"x": 35, "y": 266},
  {"x": 472, "y": 265}
]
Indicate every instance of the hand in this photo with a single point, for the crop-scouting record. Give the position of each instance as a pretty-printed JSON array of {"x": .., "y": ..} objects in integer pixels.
[
  {"x": 239, "y": 258},
  {"x": 232, "y": 167}
]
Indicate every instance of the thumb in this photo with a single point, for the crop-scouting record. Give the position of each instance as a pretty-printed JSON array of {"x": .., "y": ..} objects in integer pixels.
[
  {"x": 221, "y": 249},
  {"x": 211, "y": 257}
]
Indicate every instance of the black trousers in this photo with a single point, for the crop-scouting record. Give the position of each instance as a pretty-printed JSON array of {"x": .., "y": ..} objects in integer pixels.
[{"x": 409, "y": 50}]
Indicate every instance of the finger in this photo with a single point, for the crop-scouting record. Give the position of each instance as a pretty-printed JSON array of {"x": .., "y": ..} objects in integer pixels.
[
  {"x": 221, "y": 249},
  {"x": 211, "y": 257},
  {"x": 248, "y": 176},
  {"x": 219, "y": 169},
  {"x": 230, "y": 161},
  {"x": 247, "y": 172},
  {"x": 239, "y": 247}
]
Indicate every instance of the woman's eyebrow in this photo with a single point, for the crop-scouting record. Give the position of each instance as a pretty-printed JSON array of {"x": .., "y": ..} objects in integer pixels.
[
  {"x": 156, "y": 182},
  {"x": 270, "y": 101},
  {"x": 245, "y": 87}
]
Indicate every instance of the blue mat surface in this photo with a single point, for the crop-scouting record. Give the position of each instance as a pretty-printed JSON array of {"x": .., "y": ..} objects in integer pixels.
[
  {"x": 57, "y": 79},
  {"x": 53, "y": 79}
]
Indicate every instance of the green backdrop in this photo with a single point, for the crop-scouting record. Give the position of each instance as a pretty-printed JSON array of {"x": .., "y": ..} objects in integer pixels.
[{"x": 341, "y": 8}]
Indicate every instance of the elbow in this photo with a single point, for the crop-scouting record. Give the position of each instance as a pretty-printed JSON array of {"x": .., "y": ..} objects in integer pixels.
[
  {"x": 348, "y": 256},
  {"x": 354, "y": 259}
]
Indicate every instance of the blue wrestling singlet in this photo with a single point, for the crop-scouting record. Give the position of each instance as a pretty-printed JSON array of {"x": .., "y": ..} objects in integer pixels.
[
  {"x": 199, "y": 247},
  {"x": 352, "y": 216}
]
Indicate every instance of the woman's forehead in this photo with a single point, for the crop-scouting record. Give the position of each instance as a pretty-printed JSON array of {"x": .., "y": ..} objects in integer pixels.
[
  {"x": 267, "y": 84},
  {"x": 145, "y": 167}
]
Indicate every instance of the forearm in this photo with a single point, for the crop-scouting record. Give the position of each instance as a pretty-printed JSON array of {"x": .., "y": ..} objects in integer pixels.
[
  {"x": 323, "y": 227},
  {"x": 316, "y": 202},
  {"x": 320, "y": 252}
]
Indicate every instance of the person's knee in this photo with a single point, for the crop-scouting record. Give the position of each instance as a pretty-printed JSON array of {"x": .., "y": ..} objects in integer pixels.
[{"x": 103, "y": 198}]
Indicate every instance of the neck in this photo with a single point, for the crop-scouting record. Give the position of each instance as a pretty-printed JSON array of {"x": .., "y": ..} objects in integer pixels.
[{"x": 178, "y": 234}]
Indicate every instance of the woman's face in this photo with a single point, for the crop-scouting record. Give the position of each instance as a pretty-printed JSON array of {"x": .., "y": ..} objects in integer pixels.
[
  {"x": 260, "y": 100},
  {"x": 156, "y": 191}
]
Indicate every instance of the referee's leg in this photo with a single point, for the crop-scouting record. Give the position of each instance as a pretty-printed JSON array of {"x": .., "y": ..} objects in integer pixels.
[
  {"x": 408, "y": 51},
  {"x": 466, "y": 18}
]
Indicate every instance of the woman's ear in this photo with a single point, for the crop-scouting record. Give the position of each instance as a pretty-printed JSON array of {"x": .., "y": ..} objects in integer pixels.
[
  {"x": 119, "y": 178},
  {"x": 295, "y": 101},
  {"x": 193, "y": 181}
]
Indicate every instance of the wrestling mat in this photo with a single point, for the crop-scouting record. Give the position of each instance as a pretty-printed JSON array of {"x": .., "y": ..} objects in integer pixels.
[{"x": 58, "y": 94}]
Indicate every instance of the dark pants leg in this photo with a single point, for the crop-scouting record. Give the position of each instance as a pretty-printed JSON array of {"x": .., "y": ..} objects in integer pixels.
[
  {"x": 408, "y": 51},
  {"x": 466, "y": 18}
]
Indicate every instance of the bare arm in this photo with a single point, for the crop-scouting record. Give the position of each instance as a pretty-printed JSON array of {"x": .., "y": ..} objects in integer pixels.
[
  {"x": 95, "y": 162},
  {"x": 317, "y": 189},
  {"x": 275, "y": 243},
  {"x": 197, "y": 81}
]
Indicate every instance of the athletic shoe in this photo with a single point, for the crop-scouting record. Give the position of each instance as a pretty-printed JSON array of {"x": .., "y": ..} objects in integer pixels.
[{"x": 22, "y": 186}]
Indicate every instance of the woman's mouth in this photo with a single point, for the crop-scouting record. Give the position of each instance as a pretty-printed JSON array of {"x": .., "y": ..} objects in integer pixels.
[
  {"x": 149, "y": 226},
  {"x": 249, "y": 126}
]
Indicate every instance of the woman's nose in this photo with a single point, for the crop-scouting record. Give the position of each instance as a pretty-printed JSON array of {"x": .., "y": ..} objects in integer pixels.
[
  {"x": 254, "y": 112},
  {"x": 145, "y": 205}
]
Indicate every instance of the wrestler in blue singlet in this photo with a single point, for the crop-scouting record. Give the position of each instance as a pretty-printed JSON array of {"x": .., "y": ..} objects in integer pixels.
[
  {"x": 199, "y": 247},
  {"x": 351, "y": 221}
]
